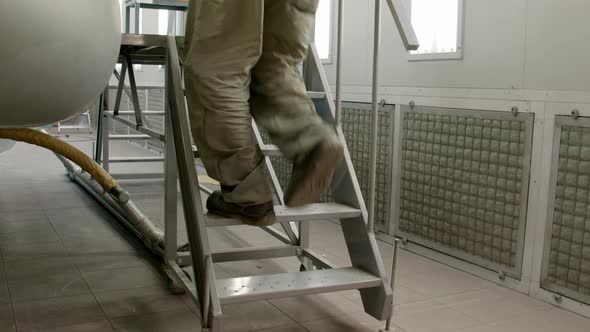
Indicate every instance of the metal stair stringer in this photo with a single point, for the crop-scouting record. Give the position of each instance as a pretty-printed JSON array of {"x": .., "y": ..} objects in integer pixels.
[
  {"x": 361, "y": 243},
  {"x": 204, "y": 284}
]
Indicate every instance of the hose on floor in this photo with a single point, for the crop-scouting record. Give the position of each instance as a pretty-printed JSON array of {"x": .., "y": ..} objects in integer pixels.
[
  {"x": 121, "y": 206},
  {"x": 60, "y": 147}
]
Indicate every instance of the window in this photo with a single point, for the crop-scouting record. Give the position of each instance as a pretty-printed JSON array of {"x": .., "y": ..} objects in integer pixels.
[
  {"x": 439, "y": 27},
  {"x": 323, "y": 30},
  {"x": 164, "y": 22}
]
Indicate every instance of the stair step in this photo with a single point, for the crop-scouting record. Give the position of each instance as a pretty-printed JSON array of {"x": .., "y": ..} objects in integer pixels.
[
  {"x": 267, "y": 149},
  {"x": 320, "y": 211},
  {"x": 136, "y": 159},
  {"x": 316, "y": 94},
  {"x": 290, "y": 284},
  {"x": 129, "y": 137}
]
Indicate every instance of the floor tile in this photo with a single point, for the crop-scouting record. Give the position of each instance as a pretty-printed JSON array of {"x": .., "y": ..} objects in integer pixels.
[
  {"x": 101, "y": 244},
  {"x": 253, "y": 316},
  {"x": 431, "y": 316},
  {"x": 51, "y": 313},
  {"x": 66, "y": 283},
  {"x": 36, "y": 236},
  {"x": 359, "y": 322},
  {"x": 289, "y": 328},
  {"x": 2, "y": 271},
  {"x": 540, "y": 321},
  {"x": 30, "y": 213},
  {"x": 25, "y": 226},
  {"x": 6, "y": 317},
  {"x": 101, "y": 326},
  {"x": 4, "y": 294},
  {"x": 106, "y": 261},
  {"x": 441, "y": 282},
  {"x": 21, "y": 269},
  {"x": 120, "y": 279},
  {"x": 173, "y": 321},
  {"x": 65, "y": 200},
  {"x": 493, "y": 305},
  {"x": 77, "y": 221},
  {"x": 401, "y": 295},
  {"x": 12, "y": 251},
  {"x": 314, "y": 307},
  {"x": 50, "y": 229},
  {"x": 10, "y": 208},
  {"x": 138, "y": 301}
]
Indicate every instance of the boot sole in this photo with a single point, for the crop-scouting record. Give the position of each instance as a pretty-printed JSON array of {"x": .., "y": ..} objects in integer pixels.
[
  {"x": 313, "y": 185},
  {"x": 267, "y": 220}
]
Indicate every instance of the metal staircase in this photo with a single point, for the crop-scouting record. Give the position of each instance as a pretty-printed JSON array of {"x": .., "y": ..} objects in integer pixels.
[{"x": 366, "y": 273}]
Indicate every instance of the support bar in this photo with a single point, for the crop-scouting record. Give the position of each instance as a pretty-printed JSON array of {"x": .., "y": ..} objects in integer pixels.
[{"x": 404, "y": 24}]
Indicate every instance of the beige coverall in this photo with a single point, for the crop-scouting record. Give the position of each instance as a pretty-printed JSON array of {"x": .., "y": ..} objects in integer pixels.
[{"x": 242, "y": 60}]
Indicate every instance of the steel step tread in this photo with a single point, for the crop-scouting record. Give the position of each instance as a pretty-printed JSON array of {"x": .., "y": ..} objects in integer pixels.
[
  {"x": 135, "y": 159},
  {"x": 316, "y": 94},
  {"x": 128, "y": 137},
  {"x": 319, "y": 211},
  {"x": 265, "y": 287},
  {"x": 267, "y": 149}
]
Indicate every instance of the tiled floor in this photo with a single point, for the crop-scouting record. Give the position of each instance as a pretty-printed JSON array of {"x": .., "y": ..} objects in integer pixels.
[{"x": 66, "y": 265}]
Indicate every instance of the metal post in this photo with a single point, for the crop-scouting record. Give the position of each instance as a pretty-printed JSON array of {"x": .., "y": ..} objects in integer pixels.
[
  {"x": 120, "y": 87},
  {"x": 339, "y": 64},
  {"x": 171, "y": 191},
  {"x": 304, "y": 237},
  {"x": 137, "y": 16},
  {"x": 105, "y": 142},
  {"x": 207, "y": 295},
  {"x": 374, "y": 116},
  {"x": 392, "y": 279},
  {"x": 134, "y": 95},
  {"x": 127, "y": 19},
  {"x": 99, "y": 129},
  {"x": 172, "y": 22},
  {"x": 193, "y": 209}
]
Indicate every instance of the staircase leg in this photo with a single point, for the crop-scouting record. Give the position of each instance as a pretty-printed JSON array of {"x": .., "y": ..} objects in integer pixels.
[{"x": 364, "y": 254}]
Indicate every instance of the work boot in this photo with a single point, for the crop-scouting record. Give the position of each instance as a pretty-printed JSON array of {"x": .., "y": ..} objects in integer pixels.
[
  {"x": 312, "y": 175},
  {"x": 254, "y": 215}
]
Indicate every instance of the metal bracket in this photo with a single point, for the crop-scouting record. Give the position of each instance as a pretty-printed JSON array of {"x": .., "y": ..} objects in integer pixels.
[
  {"x": 575, "y": 114},
  {"x": 557, "y": 298},
  {"x": 501, "y": 275},
  {"x": 382, "y": 103},
  {"x": 412, "y": 105},
  {"x": 514, "y": 111}
]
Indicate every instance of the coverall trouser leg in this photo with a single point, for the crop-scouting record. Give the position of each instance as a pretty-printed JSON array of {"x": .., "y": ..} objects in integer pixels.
[{"x": 241, "y": 61}]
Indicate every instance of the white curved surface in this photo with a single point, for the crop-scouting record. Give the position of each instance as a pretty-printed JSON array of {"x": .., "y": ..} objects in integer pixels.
[
  {"x": 55, "y": 57},
  {"x": 6, "y": 144}
]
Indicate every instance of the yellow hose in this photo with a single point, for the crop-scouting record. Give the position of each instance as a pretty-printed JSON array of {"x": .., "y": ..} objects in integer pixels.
[{"x": 62, "y": 148}]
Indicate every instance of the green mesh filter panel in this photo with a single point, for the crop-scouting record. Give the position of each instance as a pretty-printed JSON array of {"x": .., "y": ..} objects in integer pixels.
[
  {"x": 567, "y": 262},
  {"x": 464, "y": 179},
  {"x": 356, "y": 125}
]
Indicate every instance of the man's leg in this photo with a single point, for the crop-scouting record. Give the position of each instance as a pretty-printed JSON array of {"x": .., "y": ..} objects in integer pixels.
[
  {"x": 280, "y": 103},
  {"x": 224, "y": 39}
]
